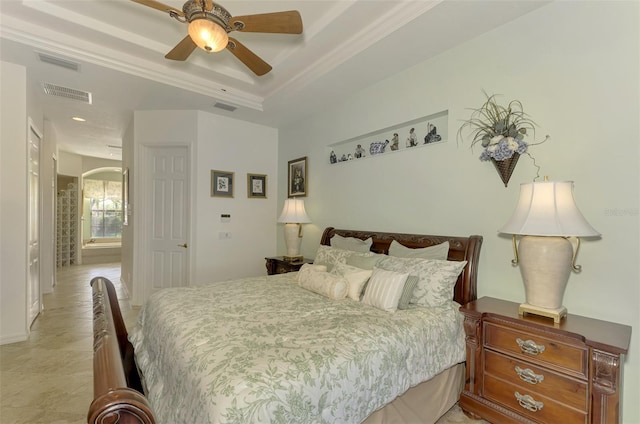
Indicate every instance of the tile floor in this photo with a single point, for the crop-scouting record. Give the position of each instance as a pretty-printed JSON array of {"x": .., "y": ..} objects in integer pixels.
[{"x": 48, "y": 378}]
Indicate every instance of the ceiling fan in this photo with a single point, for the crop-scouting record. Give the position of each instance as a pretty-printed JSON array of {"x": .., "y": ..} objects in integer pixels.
[{"x": 210, "y": 24}]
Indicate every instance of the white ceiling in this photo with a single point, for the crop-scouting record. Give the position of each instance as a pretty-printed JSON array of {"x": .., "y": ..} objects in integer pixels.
[{"x": 120, "y": 45}]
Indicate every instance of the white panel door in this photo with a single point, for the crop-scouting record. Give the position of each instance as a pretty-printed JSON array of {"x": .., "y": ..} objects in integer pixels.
[
  {"x": 167, "y": 220},
  {"x": 34, "y": 296}
]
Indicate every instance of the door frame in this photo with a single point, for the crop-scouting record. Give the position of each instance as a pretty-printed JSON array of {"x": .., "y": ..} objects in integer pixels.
[
  {"x": 138, "y": 210},
  {"x": 32, "y": 127}
]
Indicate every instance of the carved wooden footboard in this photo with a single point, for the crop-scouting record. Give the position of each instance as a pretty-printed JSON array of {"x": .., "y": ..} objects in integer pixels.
[{"x": 117, "y": 392}]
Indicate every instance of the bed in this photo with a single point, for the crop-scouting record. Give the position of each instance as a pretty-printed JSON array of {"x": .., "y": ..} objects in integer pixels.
[{"x": 274, "y": 349}]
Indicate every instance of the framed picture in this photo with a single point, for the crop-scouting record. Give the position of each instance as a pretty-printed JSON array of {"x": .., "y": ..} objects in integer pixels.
[
  {"x": 257, "y": 186},
  {"x": 298, "y": 177},
  {"x": 221, "y": 183},
  {"x": 125, "y": 196}
]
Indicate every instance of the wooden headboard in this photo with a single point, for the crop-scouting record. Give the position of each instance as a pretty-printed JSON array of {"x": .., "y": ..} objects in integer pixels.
[
  {"x": 460, "y": 249},
  {"x": 118, "y": 393}
]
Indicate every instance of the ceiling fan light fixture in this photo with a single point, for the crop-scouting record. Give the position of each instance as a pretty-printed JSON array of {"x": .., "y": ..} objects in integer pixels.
[{"x": 208, "y": 35}]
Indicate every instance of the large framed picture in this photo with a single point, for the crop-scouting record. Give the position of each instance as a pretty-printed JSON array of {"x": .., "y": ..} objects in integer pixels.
[
  {"x": 298, "y": 177},
  {"x": 221, "y": 183},
  {"x": 257, "y": 186}
]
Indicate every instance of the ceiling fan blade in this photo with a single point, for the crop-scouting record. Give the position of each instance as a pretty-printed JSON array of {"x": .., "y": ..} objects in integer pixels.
[
  {"x": 182, "y": 50},
  {"x": 160, "y": 6},
  {"x": 249, "y": 58},
  {"x": 288, "y": 22}
]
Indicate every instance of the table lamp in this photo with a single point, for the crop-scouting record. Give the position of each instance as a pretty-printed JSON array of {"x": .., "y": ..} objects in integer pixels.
[
  {"x": 293, "y": 214},
  {"x": 550, "y": 224}
]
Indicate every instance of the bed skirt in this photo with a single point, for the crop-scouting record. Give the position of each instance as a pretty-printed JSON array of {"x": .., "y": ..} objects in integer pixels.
[{"x": 424, "y": 403}]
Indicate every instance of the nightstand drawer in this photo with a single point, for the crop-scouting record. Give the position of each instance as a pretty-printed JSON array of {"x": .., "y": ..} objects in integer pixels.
[
  {"x": 534, "y": 380},
  {"x": 531, "y": 404},
  {"x": 538, "y": 349}
]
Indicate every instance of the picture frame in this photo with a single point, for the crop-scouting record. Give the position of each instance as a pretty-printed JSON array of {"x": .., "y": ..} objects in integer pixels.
[
  {"x": 256, "y": 186},
  {"x": 297, "y": 178},
  {"x": 125, "y": 197},
  {"x": 221, "y": 183}
]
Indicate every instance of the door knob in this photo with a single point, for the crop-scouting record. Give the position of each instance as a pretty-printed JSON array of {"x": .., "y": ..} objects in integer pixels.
[{"x": 183, "y": 245}]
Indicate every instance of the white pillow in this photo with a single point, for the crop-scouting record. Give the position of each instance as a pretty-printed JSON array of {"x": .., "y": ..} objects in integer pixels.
[
  {"x": 436, "y": 279},
  {"x": 351, "y": 243},
  {"x": 439, "y": 251},
  {"x": 329, "y": 285},
  {"x": 356, "y": 277},
  {"x": 330, "y": 256},
  {"x": 384, "y": 289}
]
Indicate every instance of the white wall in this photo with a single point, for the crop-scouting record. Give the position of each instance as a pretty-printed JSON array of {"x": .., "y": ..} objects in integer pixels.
[
  {"x": 575, "y": 67},
  {"x": 216, "y": 143},
  {"x": 13, "y": 209},
  {"x": 236, "y": 146},
  {"x": 49, "y": 197}
]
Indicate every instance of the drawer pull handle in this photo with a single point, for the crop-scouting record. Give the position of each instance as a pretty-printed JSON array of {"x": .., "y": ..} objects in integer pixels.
[
  {"x": 528, "y": 403},
  {"x": 529, "y": 376},
  {"x": 530, "y": 347}
]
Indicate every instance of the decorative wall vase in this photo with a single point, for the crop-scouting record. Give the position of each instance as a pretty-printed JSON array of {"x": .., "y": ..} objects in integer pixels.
[{"x": 505, "y": 167}]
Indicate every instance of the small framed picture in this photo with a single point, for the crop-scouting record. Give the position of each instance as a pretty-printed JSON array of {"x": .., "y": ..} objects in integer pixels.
[
  {"x": 221, "y": 183},
  {"x": 298, "y": 177},
  {"x": 257, "y": 186}
]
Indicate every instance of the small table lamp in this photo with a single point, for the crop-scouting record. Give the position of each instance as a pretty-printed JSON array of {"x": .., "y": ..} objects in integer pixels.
[
  {"x": 546, "y": 217},
  {"x": 293, "y": 214}
]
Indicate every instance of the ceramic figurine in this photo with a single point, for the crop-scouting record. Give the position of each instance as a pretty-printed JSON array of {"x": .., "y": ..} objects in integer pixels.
[
  {"x": 332, "y": 157},
  {"x": 378, "y": 147},
  {"x": 359, "y": 151},
  {"x": 412, "y": 140},
  {"x": 394, "y": 142},
  {"x": 432, "y": 135}
]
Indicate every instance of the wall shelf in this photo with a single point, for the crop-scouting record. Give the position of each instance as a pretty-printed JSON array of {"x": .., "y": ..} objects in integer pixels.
[
  {"x": 67, "y": 226},
  {"x": 395, "y": 139}
]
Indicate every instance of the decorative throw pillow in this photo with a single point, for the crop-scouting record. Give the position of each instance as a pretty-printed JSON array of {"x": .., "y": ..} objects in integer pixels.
[
  {"x": 384, "y": 289},
  {"x": 307, "y": 268},
  {"x": 329, "y": 285},
  {"x": 407, "y": 292},
  {"x": 356, "y": 277},
  {"x": 439, "y": 251},
  {"x": 364, "y": 262},
  {"x": 330, "y": 256},
  {"x": 351, "y": 243},
  {"x": 436, "y": 278}
]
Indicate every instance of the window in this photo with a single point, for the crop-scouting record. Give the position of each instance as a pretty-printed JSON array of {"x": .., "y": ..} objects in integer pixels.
[{"x": 104, "y": 199}]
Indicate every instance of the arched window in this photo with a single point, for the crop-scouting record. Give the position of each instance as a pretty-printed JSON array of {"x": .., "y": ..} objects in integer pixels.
[{"x": 102, "y": 199}]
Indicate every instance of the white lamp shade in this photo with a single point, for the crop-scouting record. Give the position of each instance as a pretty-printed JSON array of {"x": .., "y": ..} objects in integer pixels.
[
  {"x": 293, "y": 212},
  {"x": 548, "y": 209},
  {"x": 208, "y": 35}
]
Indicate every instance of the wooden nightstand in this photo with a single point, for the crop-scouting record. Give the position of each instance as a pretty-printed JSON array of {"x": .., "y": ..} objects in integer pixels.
[
  {"x": 277, "y": 265},
  {"x": 528, "y": 369}
]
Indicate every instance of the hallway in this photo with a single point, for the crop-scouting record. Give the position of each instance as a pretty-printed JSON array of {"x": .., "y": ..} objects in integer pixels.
[{"x": 48, "y": 378}]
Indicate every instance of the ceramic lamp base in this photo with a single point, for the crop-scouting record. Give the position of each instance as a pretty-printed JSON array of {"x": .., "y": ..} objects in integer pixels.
[
  {"x": 557, "y": 314},
  {"x": 292, "y": 239}
]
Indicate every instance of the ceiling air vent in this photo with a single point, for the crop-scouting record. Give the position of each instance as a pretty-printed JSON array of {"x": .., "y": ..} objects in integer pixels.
[
  {"x": 224, "y": 106},
  {"x": 57, "y": 61},
  {"x": 67, "y": 93}
]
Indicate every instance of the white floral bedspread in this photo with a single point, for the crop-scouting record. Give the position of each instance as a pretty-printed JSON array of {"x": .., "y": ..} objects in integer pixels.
[{"x": 263, "y": 349}]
